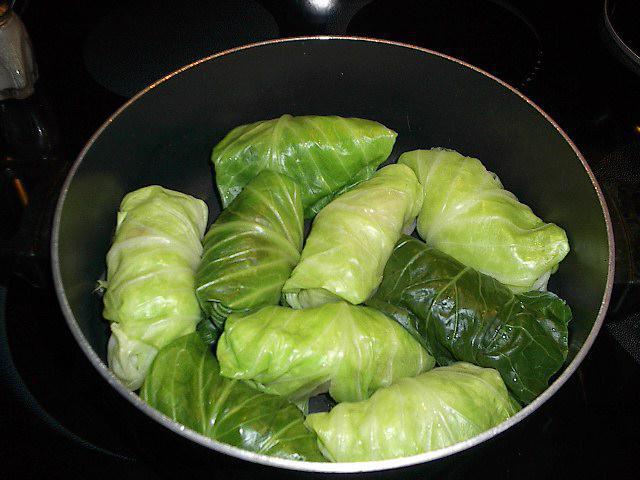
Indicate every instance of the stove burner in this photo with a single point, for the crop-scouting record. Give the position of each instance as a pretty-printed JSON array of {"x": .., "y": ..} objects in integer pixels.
[
  {"x": 139, "y": 42},
  {"x": 621, "y": 23},
  {"x": 488, "y": 34}
]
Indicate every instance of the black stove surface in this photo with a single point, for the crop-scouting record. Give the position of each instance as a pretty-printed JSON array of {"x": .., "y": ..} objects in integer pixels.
[{"x": 63, "y": 420}]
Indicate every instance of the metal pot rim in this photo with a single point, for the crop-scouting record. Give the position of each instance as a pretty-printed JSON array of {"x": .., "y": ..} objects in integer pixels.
[{"x": 324, "y": 467}]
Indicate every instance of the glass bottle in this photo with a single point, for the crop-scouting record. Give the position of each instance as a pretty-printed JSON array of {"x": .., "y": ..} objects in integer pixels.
[{"x": 18, "y": 70}]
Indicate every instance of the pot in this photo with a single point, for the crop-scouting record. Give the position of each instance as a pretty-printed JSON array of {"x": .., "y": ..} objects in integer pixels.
[{"x": 164, "y": 135}]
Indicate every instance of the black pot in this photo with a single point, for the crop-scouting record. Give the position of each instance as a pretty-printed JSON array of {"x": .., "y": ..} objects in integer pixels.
[{"x": 164, "y": 135}]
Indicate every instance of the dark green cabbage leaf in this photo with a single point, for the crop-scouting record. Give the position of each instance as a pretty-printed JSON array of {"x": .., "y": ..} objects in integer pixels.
[
  {"x": 324, "y": 155},
  {"x": 349, "y": 351},
  {"x": 461, "y": 314},
  {"x": 436, "y": 409},
  {"x": 185, "y": 384},
  {"x": 251, "y": 248}
]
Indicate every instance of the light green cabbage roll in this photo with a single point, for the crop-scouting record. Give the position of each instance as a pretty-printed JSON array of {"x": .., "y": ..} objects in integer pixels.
[
  {"x": 352, "y": 238},
  {"x": 251, "y": 248},
  {"x": 150, "y": 277},
  {"x": 324, "y": 155},
  {"x": 439, "y": 408},
  {"x": 469, "y": 215},
  {"x": 346, "y": 350}
]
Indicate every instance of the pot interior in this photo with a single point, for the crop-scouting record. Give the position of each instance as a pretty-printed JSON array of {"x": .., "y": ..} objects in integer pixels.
[{"x": 165, "y": 137}]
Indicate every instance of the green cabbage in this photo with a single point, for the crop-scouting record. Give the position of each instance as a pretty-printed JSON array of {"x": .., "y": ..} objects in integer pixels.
[
  {"x": 461, "y": 314},
  {"x": 150, "y": 277},
  {"x": 439, "y": 408},
  {"x": 324, "y": 155},
  {"x": 346, "y": 350},
  {"x": 352, "y": 238},
  {"x": 469, "y": 215},
  {"x": 184, "y": 383},
  {"x": 251, "y": 248}
]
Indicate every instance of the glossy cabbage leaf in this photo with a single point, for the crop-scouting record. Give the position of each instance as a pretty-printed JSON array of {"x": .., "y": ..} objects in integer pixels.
[
  {"x": 251, "y": 248},
  {"x": 469, "y": 215},
  {"x": 207, "y": 331},
  {"x": 464, "y": 315},
  {"x": 352, "y": 238},
  {"x": 346, "y": 350},
  {"x": 439, "y": 408},
  {"x": 150, "y": 277},
  {"x": 185, "y": 384},
  {"x": 324, "y": 155}
]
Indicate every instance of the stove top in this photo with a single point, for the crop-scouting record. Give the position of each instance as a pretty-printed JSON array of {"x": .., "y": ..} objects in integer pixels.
[{"x": 62, "y": 420}]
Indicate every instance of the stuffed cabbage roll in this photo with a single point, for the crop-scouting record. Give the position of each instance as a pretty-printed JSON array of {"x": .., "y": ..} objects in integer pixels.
[
  {"x": 150, "y": 277},
  {"x": 352, "y": 238},
  {"x": 251, "y": 248},
  {"x": 464, "y": 315},
  {"x": 185, "y": 384},
  {"x": 439, "y": 408},
  {"x": 469, "y": 215},
  {"x": 346, "y": 350},
  {"x": 324, "y": 155}
]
